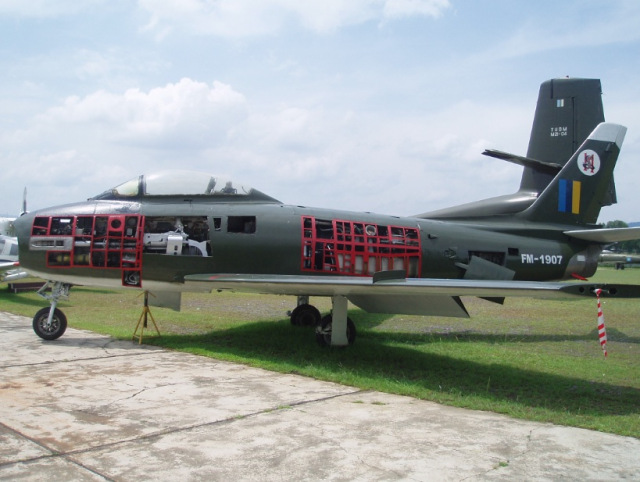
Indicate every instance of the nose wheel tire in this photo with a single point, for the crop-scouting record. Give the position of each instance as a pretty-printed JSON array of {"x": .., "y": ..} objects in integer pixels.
[
  {"x": 48, "y": 331},
  {"x": 323, "y": 331}
]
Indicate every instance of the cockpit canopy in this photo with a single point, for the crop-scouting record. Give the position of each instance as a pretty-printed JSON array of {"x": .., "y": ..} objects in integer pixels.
[{"x": 183, "y": 183}]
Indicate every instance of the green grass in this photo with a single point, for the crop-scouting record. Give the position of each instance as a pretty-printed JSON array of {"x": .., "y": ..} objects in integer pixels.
[{"x": 532, "y": 359}]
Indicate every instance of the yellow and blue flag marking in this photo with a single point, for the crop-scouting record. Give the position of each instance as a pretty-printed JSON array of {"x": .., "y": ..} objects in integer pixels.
[{"x": 569, "y": 196}]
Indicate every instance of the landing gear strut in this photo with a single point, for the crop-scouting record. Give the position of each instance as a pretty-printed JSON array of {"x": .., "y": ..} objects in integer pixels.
[
  {"x": 324, "y": 331},
  {"x": 336, "y": 329},
  {"x": 51, "y": 323}
]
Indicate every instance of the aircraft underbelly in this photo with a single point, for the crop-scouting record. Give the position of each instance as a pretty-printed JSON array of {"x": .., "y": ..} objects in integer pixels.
[
  {"x": 114, "y": 282},
  {"x": 427, "y": 305}
]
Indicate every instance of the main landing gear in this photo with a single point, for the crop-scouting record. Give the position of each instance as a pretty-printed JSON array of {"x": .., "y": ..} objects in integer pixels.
[
  {"x": 51, "y": 323},
  {"x": 324, "y": 332},
  {"x": 305, "y": 314},
  {"x": 335, "y": 329}
]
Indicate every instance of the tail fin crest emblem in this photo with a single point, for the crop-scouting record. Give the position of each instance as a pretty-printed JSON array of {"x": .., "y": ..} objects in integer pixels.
[{"x": 589, "y": 162}]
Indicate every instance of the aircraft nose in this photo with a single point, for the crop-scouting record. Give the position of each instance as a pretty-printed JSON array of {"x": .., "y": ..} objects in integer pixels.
[{"x": 22, "y": 226}]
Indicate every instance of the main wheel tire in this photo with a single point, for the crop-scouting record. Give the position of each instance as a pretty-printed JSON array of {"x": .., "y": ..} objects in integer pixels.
[
  {"x": 51, "y": 332},
  {"x": 323, "y": 331},
  {"x": 305, "y": 315}
]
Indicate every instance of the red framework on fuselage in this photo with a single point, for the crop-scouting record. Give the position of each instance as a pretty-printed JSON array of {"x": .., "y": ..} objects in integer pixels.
[
  {"x": 356, "y": 248},
  {"x": 93, "y": 241}
]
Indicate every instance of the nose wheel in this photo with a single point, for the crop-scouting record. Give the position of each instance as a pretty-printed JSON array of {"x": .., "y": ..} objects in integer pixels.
[
  {"x": 51, "y": 323},
  {"x": 49, "y": 329}
]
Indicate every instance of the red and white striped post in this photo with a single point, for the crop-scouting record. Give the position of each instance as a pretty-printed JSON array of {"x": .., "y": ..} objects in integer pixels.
[{"x": 602, "y": 332}]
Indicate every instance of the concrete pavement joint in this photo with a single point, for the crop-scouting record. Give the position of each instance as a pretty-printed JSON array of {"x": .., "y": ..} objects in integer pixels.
[
  {"x": 53, "y": 455},
  {"x": 74, "y": 360},
  {"x": 290, "y": 427},
  {"x": 89, "y": 469},
  {"x": 69, "y": 454},
  {"x": 52, "y": 452}
]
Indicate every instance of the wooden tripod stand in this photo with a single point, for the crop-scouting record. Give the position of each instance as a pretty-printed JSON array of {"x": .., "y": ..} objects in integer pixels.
[{"x": 142, "y": 321}]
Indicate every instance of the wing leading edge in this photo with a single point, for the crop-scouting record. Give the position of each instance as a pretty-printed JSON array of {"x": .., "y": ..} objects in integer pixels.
[
  {"x": 605, "y": 235},
  {"x": 421, "y": 296}
]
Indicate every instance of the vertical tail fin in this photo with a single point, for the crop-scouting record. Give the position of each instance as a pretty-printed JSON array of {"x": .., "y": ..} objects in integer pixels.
[
  {"x": 581, "y": 188},
  {"x": 566, "y": 112}
]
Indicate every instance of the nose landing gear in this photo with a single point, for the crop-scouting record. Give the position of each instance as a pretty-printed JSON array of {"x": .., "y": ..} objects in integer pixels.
[{"x": 51, "y": 323}]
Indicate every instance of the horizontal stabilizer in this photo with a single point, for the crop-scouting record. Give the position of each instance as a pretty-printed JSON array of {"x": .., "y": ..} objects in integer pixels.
[
  {"x": 605, "y": 235},
  {"x": 546, "y": 167}
]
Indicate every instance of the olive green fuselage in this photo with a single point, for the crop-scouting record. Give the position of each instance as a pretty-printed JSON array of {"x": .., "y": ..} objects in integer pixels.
[{"x": 140, "y": 244}]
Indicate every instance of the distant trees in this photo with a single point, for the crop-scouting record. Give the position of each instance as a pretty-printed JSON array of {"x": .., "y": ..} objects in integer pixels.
[{"x": 623, "y": 246}]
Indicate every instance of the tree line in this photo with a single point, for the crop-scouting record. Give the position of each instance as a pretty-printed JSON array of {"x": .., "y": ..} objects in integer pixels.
[{"x": 632, "y": 246}]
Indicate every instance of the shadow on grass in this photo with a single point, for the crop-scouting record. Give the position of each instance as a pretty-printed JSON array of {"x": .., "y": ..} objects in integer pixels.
[
  {"x": 30, "y": 298},
  {"x": 376, "y": 361},
  {"x": 7, "y": 299},
  {"x": 470, "y": 336}
]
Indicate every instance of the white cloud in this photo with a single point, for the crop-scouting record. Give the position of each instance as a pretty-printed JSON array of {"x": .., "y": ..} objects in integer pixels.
[
  {"x": 188, "y": 113},
  {"x": 382, "y": 119},
  {"x": 402, "y": 164},
  {"x": 408, "y": 8},
  {"x": 45, "y": 8},
  {"x": 108, "y": 67},
  {"x": 90, "y": 143},
  {"x": 355, "y": 160},
  {"x": 240, "y": 18},
  {"x": 618, "y": 24}
]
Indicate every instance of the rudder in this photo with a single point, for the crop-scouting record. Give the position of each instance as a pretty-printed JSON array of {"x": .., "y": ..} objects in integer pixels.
[{"x": 567, "y": 111}]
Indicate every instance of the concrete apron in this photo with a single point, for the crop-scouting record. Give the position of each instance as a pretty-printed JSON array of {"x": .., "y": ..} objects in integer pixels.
[{"x": 87, "y": 407}]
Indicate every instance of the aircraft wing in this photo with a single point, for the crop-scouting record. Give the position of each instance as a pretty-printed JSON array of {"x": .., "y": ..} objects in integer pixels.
[
  {"x": 360, "y": 285},
  {"x": 10, "y": 271},
  {"x": 4, "y": 265},
  {"x": 619, "y": 258},
  {"x": 388, "y": 293},
  {"x": 605, "y": 235}
]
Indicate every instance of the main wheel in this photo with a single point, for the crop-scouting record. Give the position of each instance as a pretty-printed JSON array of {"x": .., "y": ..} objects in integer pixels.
[
  {"x": 323, "y": 331},
  {"x": 305, "y": 315},
  {"x": 49, "y": 332}
]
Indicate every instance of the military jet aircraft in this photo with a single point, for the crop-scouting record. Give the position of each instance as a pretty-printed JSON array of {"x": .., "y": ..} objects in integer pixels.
[
  {"x": 172, "y": 232},
  {"x": 9, "y": 265},
  {"x": 620, "y": 259}
]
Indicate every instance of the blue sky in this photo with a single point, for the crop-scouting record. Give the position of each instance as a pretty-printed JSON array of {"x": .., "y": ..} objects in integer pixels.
[{"x": 368, "y": 105}]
